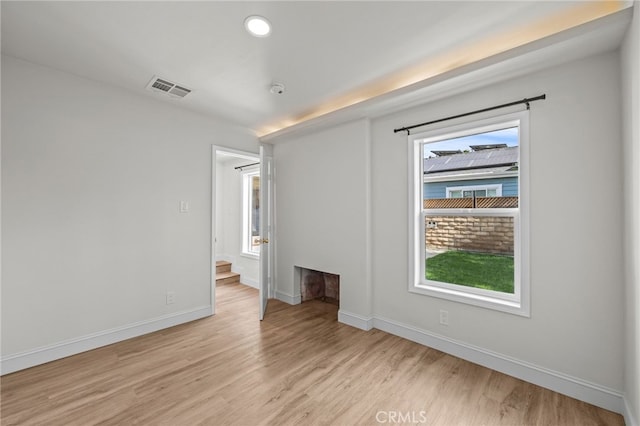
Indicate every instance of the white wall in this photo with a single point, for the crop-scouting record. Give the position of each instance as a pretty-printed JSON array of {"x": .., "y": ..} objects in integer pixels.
[
  {"x": 574, "y": 338},
  {"x": 321, "y": 212},
  {"x": 576, "y": 257},
  {"x": 229, "y": 221},
  {"x": 630, "y": 53},
  {"x": 92, "y": 177}
]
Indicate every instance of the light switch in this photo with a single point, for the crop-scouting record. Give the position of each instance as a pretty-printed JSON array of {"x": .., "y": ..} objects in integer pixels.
[{"x": 184, "y": 207}]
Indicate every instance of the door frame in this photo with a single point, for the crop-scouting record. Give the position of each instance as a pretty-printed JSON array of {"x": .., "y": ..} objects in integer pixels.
[{"x": 214, "y": 151}]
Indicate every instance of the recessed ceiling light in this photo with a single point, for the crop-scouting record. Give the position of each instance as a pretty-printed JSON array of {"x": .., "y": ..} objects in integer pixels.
[{"x": 257, "y": 26}]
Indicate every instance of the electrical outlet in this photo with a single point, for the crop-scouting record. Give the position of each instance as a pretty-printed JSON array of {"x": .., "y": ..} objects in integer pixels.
[
  {"x": 444, "y": 317},
  {"x": 171, "y": 297}
]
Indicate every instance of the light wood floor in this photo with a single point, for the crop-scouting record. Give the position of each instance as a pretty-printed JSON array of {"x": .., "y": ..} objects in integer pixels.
[{"x": 299, "y": 366}]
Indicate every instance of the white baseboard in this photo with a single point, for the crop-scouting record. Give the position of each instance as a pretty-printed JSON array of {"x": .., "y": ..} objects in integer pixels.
[
  {"x": 20, "y": 361},
  {"x": 355, "y": 320},
  {"x": 591, "y": 393},
  {"x": 629, "y": 418},
  {"x": 288, "y": 298},
  {"x": 250, "y": 282}
]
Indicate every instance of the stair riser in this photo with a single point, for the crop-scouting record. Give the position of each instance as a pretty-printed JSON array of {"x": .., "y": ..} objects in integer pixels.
[
  {"x": 224, "y": 274},
  {"x": 230, "y": 280},
  {"x": 223, "y": 268}
]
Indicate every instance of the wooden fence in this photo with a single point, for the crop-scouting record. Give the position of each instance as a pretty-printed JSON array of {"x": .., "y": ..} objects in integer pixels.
[{"x": 471, "y": 203}]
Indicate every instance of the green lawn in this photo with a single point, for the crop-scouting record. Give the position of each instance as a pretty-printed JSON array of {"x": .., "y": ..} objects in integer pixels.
[{"x": 488, "y": 271}]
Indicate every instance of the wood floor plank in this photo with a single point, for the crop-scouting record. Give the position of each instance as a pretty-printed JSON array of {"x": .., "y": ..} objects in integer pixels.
[{"x": 297, "y": 367}]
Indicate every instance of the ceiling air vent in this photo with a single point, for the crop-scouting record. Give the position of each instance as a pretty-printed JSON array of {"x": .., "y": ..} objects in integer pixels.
[{"x": 165, "y": 86}]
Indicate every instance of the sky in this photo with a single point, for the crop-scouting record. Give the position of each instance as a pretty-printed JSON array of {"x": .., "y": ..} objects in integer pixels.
[{"x": 508, "y": 136}]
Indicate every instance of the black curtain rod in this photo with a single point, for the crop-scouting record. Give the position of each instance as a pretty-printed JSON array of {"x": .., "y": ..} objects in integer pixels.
[
  {"x": 246, "y": 165},
  {"x": 523, "y": 101}
]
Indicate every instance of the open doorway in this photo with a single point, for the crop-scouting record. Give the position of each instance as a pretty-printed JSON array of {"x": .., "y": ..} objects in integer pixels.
[{"x": 236, "y": 224}]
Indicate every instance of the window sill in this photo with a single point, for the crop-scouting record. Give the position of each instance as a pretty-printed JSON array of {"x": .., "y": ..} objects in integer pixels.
[{"x": 483, "y": 301}]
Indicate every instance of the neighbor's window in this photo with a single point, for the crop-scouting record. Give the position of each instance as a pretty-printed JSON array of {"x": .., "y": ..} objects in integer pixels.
[
  {"x": 474, "y": 191},
  {"x": 251, "y": 213},
  {"x": 468, "y": 213}
]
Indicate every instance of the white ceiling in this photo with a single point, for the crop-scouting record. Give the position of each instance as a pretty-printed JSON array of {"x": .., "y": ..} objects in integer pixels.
[{"x": 328, "y": 54}]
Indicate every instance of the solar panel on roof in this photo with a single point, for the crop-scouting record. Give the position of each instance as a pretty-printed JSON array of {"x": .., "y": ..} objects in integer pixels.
[
  {"x": 443, "y": 153},
  {"x": 472, "y": 160},
  {"x": 487, "y": 146}
]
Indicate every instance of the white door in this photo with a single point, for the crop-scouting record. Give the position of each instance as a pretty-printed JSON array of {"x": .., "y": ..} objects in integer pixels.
[{"x": 266, "y": 226}]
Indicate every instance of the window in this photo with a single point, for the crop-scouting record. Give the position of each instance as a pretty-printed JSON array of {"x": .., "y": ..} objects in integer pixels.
[
  {"x": 251, "y": 213},
  {"x": 474, "y": 191},
  {"x": 469, "y": 241}
]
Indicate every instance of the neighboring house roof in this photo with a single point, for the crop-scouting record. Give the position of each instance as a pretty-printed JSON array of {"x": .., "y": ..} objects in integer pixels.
[{"x": 481, "y": 159}]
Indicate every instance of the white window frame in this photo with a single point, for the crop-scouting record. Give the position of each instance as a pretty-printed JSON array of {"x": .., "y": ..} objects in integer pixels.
[
  {"x": 247, "y": 217},
  {"x": 497, "y": 187},
  {"x": 517, "y": 303}
]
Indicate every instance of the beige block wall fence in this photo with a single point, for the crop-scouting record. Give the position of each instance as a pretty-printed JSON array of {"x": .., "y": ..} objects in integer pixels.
[{"x": 486, "y": 234}]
